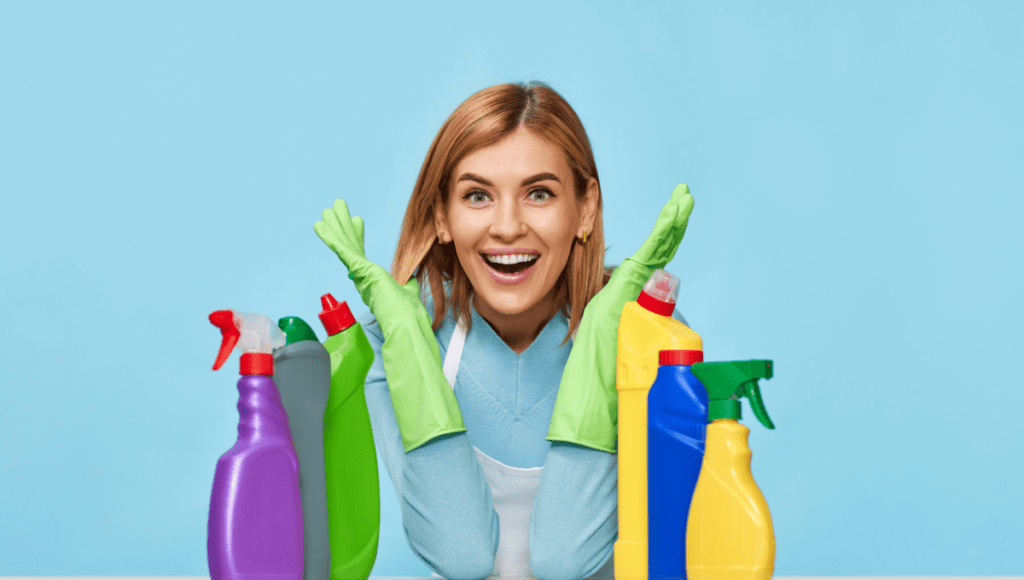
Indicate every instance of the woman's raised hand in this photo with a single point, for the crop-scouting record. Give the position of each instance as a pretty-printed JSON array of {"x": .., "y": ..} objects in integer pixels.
[
  {"x": 424, "y": 404},
  {"x": 586, "y": 409},
  {"x": 389, "y": 301},
  {"x": 660, "y": 247},
  {"x": 344, "y": 234}
]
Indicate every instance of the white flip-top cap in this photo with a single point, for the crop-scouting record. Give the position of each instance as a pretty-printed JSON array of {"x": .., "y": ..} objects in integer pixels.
[{"x": 663, "y": 287}]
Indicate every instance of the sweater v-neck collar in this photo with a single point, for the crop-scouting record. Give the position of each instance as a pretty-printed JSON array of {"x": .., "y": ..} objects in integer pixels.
[{"x": 550, "y": 335}]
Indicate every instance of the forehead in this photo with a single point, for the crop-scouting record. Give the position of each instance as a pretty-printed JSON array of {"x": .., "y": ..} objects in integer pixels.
[{"x": 521, "y": 154}]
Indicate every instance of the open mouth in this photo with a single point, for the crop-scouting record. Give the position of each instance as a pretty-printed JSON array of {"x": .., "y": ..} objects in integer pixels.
[{"x": 510, "y": 263}]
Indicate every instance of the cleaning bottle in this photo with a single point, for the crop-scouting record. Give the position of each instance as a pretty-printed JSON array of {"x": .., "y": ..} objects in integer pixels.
[
  {"x": 677, "y": 414},
  {"x": 353, "y": 492},
  {"x": 303, "y": 375},
  {"x": 255, "y": 525},
  {"x": 729, "y": 534},
  {"x": 645, "y": 327}
]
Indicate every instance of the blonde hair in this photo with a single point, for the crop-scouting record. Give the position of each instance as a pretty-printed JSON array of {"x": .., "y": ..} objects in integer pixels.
[{"x": 484, "y": 119}]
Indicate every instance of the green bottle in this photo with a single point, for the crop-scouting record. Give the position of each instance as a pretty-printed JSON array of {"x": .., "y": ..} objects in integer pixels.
[{"x": 353, "y": 492}]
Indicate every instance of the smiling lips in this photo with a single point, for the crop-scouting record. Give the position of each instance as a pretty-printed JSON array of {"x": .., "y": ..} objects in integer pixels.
[{"x": 510, "y": 266}]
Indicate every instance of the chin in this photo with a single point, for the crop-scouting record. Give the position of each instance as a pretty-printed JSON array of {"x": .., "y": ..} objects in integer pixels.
[
  {"x": 512, "y": 302},
  {"x": 508, "y": 307}
]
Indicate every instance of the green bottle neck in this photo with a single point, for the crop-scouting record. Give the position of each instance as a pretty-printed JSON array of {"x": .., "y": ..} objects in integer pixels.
[{"x": 724, "y": 409}]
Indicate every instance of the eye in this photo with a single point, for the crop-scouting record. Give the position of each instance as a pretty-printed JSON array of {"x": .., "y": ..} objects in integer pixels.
[
  {"x": 476, "y": 196},
  {"x": 540, "y": 194}
]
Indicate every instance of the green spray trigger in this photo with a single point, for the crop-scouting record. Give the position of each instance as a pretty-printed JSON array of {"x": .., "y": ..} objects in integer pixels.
[{"x": 727, "y": 382}]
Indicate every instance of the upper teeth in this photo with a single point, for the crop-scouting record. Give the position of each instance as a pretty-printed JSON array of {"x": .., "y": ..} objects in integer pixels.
[{"x": 510, "y": 258}]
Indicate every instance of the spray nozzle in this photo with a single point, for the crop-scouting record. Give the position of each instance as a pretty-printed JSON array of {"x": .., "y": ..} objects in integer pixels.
[
  {"x": 257, "y": 335},
  {"x": 296, "y": 329},
  {"x": 727, "y": 382}
]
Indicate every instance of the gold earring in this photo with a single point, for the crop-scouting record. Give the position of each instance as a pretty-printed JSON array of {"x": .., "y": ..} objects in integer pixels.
[{"x": 584, "y": 237}]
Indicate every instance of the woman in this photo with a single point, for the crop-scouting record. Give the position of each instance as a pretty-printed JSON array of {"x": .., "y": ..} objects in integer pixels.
[{"x": 504, "y": 226}]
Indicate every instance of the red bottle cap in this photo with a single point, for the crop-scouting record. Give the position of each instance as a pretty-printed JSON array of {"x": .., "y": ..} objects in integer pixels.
[
  {"x": 680, "y": 357},
  {"x": 335, "y": 317},
  {"x": 654, "y": 305},
  {"x": 257, "y": 363}
]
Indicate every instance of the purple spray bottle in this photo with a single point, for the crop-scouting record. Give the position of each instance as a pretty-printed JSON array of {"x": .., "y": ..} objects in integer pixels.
[{"x": 255, "y": 525}]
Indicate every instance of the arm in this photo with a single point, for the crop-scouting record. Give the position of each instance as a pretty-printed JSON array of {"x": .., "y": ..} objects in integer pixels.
[
  {"x": 447, "y": 509},
  {"x": 575, "y": 516}
]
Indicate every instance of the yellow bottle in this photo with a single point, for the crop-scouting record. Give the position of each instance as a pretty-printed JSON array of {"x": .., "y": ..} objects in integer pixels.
[
  {"x": 729, "y": 534},
  {"x": 646, "y": 326}
]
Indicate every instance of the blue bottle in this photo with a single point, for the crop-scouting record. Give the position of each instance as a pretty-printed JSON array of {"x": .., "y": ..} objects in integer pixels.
[{"x": 677, "y": 415}]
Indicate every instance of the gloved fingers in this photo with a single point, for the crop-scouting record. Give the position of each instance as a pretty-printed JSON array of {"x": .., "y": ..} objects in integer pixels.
[
  {"x": 685, "y": 208},
  {"x": 660, "y": 246},
  {"x": 342, "y": 233},
  {"x": 334, "y": 241},
  {"x": 329, "y": 229},
  {"x": 359, "y": 227},
  {"x": 340, "y": 220}
]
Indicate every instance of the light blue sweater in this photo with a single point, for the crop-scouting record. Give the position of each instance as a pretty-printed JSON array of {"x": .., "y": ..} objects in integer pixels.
[{"x": 506, "y": 402}]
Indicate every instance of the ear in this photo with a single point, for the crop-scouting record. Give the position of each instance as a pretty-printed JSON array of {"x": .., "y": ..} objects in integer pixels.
[
  {"x": 441, "y": 224},
  {"x": 588, "y": 208}
]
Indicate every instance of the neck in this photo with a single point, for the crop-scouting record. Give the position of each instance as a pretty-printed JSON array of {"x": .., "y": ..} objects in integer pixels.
[{"x": 518, "y": 331}]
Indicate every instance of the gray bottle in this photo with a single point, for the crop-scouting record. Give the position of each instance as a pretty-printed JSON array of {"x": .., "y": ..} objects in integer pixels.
[{"x": 303, "y": 376}]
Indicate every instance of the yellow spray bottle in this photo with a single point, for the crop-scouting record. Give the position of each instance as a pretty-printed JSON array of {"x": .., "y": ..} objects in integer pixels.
[
  {"x": 729, "y": 533},
  {"x": 646, "y": 327}
]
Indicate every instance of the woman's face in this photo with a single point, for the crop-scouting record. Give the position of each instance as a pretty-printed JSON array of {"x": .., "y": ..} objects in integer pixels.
[{"x": 512, "y": 214}]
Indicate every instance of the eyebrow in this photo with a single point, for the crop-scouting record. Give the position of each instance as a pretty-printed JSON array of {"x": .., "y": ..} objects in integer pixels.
[{"x": 527, "y": 181}]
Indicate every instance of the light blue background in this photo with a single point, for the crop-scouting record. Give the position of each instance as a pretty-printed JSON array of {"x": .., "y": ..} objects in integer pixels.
[{"x": 858, "y": 185}]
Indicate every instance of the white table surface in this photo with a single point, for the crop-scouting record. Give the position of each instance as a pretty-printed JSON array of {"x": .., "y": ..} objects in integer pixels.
[{"x": 435, "y": 577}]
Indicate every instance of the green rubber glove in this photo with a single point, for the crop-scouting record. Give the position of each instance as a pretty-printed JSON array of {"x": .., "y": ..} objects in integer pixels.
[
  {"x": 587, "y": 408},
  {"x": 424, "y": 403}
]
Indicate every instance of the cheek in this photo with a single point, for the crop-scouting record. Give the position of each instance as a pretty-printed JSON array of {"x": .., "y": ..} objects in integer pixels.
[
  {"x": 559, "y": 242},
  {"x": 468, "y": 238},
  {"x": 559, "y": 231},
  {"x": 462, "y": 227}
]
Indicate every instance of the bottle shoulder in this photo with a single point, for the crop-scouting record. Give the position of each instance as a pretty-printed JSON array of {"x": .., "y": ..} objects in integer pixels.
[
  {"x": 643, "y": 332},
  {"x": 257, "y": 450},
  {"x": 677, "y": 385},
  {"x": 350, "y": 341}
]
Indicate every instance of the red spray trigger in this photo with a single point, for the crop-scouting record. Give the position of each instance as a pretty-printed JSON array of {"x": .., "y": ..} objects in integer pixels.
[{"x": 224, "y": 320}]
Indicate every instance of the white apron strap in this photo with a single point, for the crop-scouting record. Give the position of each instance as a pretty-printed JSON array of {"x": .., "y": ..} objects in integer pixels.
[{"x": 453, "y": 357}]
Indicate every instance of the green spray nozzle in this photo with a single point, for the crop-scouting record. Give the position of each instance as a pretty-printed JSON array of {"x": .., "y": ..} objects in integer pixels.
[
  {"x": 295, "y": 329},
  {"x": 727, "y": 382}
]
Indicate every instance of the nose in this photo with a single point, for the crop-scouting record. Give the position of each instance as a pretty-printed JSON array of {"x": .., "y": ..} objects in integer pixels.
[{"x": 508, "y": 224}]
